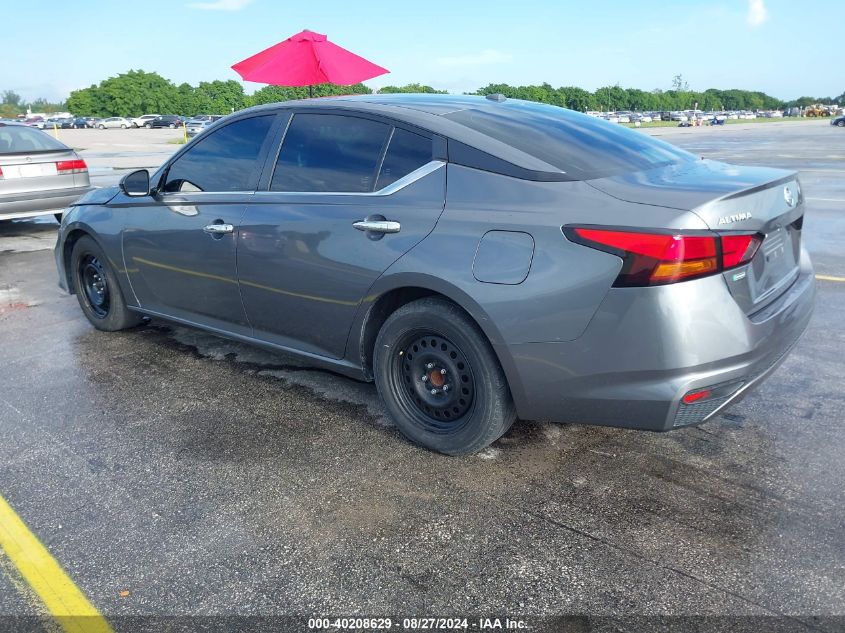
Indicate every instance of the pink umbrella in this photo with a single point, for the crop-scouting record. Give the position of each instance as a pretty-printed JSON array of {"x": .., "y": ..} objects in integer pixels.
[{"x": 306, "y": 59}]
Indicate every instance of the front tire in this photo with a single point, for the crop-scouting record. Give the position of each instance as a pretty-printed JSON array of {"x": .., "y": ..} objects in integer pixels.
[
  {"x": 440, "y": 379},
  {"x": 97, "y": 288},
  {"x": 123, "y": 126},
  {"x": 148, "y": 125},
  {"x": 840, "y": 124}
]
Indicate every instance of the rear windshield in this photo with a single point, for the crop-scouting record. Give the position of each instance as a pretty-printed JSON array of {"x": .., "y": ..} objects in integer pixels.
[
  {"x": 583, "y": 146},
  {"x": 20, "y": 139}
]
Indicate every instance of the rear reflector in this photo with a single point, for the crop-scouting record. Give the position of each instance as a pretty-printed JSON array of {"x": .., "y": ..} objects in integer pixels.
[
  {"x": 695, "y": 396},
  {"x": 657, "y": 258},
  {"x": 1, "y": 173},
  {"x": 75, "y": 166}
]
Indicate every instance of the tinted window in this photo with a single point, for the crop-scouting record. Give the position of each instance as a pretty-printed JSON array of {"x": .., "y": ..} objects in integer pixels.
[
  {"x": 327, "y": 152},
  {"x": 23, "y": 140},
  {"x": 225, "y": 160},
  {"x": 407, "y": 151},
  {"x": 583, "y": 146}
]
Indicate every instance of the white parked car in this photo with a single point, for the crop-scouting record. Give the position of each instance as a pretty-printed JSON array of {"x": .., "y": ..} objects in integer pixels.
[
  {"x": 142, "y": 120},
  {"x": 678, "y": 116},
  {"x": 612, "y": 119},
  {"x": 114, "y": 121}
]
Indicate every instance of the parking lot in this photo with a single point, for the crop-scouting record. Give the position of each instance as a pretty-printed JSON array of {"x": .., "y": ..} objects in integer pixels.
[{"x": 172, "y": 473}]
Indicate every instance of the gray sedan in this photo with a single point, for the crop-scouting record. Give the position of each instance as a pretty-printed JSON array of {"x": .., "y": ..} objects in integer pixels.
[
  {"x": 481, "y": 259},
  {"x": 38, "y": 174}
]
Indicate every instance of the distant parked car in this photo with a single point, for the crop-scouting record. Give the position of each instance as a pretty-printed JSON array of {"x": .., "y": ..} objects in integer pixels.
[
  {"x": 206, "y": 117},
  {"x": 74, "y": 123},
  {"x": 114, "y": 121},
  {"x": 194, "y": 127},
  {"x": 838, "y": 121},
  {"x": 38, "y": 174},
  {"x": 142, "y": 120},
  {"x": 679, "y": 116},
  {"x": 167, "y": 120},
  {"x": 53, "y": 121},
  {"x": 93, "y": 121}
]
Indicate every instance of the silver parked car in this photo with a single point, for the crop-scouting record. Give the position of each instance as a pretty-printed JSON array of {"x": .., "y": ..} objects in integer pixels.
[
  {"x": 38, "y": 174},
  {"x": 114, "y": 122},
  {"x": 478, "y": 258}
]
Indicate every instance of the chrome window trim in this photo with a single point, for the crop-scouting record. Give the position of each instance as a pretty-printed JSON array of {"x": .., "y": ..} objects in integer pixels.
[{"x": 420, "y": 172}]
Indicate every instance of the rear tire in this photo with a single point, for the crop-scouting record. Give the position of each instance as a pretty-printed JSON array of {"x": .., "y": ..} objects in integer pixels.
[
  {"x": 97, "y": 288},
  {"x": 432, "y": 345},
  {"x": 102, "y": 127},
  {"x": 123, "y": 126},
  {"x": 147, "y": 125}
]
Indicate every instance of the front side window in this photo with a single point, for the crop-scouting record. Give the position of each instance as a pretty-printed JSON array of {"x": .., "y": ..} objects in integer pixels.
[
  {"x": 328, "y": 152},
  {"x": 225, "y": 160},
  {"x": 407, "y": 151}
]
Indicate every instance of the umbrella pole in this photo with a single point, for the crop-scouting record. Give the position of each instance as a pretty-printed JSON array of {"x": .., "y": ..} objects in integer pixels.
[{"x": 310, "y": 91}]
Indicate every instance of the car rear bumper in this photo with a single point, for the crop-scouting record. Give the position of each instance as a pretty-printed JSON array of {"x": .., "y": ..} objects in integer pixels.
[
  {"x": 33, "y": 203},
  {"x": 646, "y": 348}
]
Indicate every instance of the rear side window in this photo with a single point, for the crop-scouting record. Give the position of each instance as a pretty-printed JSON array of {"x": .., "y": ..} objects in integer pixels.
[
  {"x": 19, "y": 139},
  {"x": 328, "y": 152},
  {"x": 584, "y": 147},
  {"x": 407, "y": 151},
  {"x": 225, "y": 160}
]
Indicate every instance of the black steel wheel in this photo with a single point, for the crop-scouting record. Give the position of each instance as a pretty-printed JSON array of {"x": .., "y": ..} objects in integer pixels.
[
  {"x": 95, "y": 285},
  {"x": 440, "y": 379},
  {"x": 97, "y": 288},
  {"x": 437, "y": 385}
]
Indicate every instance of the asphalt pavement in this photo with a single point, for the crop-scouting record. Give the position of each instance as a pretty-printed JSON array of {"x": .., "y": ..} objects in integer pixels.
[{"x": 173, "y": 473}]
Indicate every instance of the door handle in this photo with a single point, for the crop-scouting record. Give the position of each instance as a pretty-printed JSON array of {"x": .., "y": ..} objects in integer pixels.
[
  {"x": 219, "y": 229},
  {"x": 377, "y": 226}
]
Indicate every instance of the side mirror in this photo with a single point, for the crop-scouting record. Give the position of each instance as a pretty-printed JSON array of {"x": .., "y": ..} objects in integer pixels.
[{"x": 136, "y": 184}]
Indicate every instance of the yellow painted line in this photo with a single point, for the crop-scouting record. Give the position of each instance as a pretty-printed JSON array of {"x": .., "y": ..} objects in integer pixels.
[
  {"x": 829, "y": 278},
  {"x": 61, "y": 597}
]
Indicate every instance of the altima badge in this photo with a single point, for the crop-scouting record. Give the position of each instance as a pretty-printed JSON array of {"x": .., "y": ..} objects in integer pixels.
[
  {"x": 787, "y": 195},
  {"x": 736, "y": 217}
]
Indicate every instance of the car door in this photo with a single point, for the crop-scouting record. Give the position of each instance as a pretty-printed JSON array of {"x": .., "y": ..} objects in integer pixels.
[
  {"x": 179, "y": 244},
  {"x": 305, "y": 256}
]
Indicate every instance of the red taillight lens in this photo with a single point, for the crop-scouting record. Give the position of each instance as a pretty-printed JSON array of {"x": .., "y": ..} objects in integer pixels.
[
  {"x": 75, "y": 166},
  {"x": 739, "y": 249},
  {"x": 1, "y": 173},
  {"x": 651, "y": 259},
  {"x": 657, "y": 258}
]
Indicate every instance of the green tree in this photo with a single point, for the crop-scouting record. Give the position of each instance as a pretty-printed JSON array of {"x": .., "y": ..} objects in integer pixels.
[
  {"x": 415, "y": 88},
  {"x": 275, "y": 94}
]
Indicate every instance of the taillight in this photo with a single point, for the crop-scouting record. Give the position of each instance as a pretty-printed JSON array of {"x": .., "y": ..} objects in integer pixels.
[
  {"x": 75, "y": 166},
  {"x": 739, "y": 249},
  {"x": 1, "y": 173},
  {"x": 652, "y": 258}
]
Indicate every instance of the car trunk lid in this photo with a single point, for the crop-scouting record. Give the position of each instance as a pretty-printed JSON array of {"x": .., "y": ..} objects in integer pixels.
[
  {"x": 37, "y": 171},
  {"x": 731, "y": 199}
]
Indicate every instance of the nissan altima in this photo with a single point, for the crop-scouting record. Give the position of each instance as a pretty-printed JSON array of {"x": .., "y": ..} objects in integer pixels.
[{"x": 480, "y": 259}]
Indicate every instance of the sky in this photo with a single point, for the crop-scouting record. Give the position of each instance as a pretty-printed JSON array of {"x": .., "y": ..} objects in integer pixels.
[{"x": 782, "y": 47}]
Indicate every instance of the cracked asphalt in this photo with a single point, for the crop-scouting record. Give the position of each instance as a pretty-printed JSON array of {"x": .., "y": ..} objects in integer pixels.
[{"x": 207, "y": 478}]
